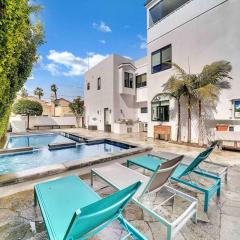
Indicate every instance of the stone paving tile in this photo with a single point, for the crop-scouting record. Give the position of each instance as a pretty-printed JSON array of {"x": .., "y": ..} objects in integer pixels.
[{"x": 20, "y": 220}]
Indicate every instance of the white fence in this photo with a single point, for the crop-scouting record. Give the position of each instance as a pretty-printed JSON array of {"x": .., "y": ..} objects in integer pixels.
[{"x": 19, "y": 123}]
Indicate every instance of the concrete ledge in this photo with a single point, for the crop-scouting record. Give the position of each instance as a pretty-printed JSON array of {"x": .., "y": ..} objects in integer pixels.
[
  {"x": 15, "y": 150},
  {"x": 30, "y": 174},
  {"x": 48, "y": 170},
  {"x": 57, "y": 146}
]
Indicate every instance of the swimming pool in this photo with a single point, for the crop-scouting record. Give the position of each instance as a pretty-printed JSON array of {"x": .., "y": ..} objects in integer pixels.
[
  {"x": 42, "y": 156},
  {"x": 36, "y": 140}
]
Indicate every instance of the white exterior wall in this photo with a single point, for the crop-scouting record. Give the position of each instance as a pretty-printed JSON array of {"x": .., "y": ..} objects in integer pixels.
[
  {"x": 113, "y": 95},
  {"x": 203, "y": 32},
  {"x": 96, "y": 100},
  {"x": 142, "y": 93}
]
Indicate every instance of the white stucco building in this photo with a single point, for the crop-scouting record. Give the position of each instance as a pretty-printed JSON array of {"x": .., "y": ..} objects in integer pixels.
[
  {"x": 112, "y": 99},
  {"x": 191, "y": 33}
]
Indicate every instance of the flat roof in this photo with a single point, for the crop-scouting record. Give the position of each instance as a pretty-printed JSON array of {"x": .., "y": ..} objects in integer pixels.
[{"x": 147, "y": 2}]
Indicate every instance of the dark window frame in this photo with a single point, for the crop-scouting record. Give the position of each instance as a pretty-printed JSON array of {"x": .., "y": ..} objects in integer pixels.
[
  {"x": 163, "y": 14},
  {"x": 141, "y": 83},
  {"x": 163, "y": 65},
  {"x": 144, "y": 111},
  {"x": 88, "y": 86},
  {"x": 99, "y": 83},
  {"x": 128, "y": 82},
  {"x": 164, "y": 108}
]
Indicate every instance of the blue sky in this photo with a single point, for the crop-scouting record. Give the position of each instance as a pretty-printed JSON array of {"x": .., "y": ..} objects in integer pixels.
[{"x": 79, "y": 33}]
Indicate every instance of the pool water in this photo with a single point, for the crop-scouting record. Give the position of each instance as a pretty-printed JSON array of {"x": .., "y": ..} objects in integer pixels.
[
  {"x": 36, "y": 141},
  {"x": 15, "y": 162}
]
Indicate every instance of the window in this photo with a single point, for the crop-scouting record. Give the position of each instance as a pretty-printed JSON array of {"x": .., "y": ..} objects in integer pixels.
[
  {"x": 160, "y": 111},
  {"x": 144, "y": 110},
  {"x": 88, "y": 86},
  {"x": 128, "y": 80},
  {"x": 161, "y": 59},
  {"x": 162, "y": 9},
  {"x": 237, "y": 109},
  {"x": 99, "y": 83},
  {"x": 141, "y": 80}
]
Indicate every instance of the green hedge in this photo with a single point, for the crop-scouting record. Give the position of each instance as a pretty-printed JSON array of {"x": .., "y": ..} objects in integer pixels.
[{"x": 19, "y": 40}]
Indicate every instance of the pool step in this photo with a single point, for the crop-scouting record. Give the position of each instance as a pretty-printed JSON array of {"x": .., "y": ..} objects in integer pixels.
[{"x": 57, "y": 146}]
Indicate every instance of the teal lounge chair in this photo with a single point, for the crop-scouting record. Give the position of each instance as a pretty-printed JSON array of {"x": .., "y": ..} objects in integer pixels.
[
  {"x": 119, "y": 176},
  {"x": 72, "y": 210},
  {"x": 151, "y": 163}
]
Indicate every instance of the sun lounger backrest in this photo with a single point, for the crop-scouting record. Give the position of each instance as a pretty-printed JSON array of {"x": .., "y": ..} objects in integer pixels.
[
  {"x": 88, "y": 220},
  {"x": 164, "y": 172},
  {"x": 214, "y": 144},
  {"x": 195, "y": 163}
]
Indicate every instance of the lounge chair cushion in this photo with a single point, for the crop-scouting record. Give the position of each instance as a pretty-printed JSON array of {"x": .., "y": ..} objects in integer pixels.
[
  {"x": 115, "y": 173},
  {"x": 148, "y": 162},
  {"x": 62, "y": 198}
]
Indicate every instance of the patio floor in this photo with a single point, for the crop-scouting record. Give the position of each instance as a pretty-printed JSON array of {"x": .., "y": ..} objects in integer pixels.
[{"x": 20, "y": 220}]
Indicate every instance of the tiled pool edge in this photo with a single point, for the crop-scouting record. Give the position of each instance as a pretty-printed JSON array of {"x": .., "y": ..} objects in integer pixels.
[{"x": 52, "y": 169}]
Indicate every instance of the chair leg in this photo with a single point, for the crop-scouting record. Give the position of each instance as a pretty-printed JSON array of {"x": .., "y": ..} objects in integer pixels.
[
  {"x": 92, "y": 176},
  {"x": 169, "y": 233},
  {"x": 219, "y": 191},
  {"x": 194, "y": 218},
  {"x": 206, "y": 201}
]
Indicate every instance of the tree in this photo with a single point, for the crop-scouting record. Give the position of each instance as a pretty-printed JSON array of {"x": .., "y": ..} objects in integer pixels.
[
  {"x": 29, "y": 108},
  {"x": 54, "y": 89},
  {"x": 185, "y": 84},
  {"x": 77, "y": 107},
  {"x": 19, "y": 39},
  {"x": 174, "y": 88},
  {"x": 208, "y": 85},
  {"x": 38, "y": 92},
  {"x": 24, "y": 93}
]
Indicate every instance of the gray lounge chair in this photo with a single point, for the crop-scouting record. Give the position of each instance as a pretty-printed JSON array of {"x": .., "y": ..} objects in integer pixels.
[{"x": 119, "y": 176}]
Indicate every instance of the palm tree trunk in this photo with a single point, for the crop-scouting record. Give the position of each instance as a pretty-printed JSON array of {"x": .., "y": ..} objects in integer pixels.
[
  {"x": 189, "y": 120},
  {"x": 200, "y": 137},
  {"x": 179, "y": 137}
]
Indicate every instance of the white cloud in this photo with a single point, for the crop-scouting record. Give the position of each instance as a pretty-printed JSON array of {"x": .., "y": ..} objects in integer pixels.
[
  {"x": 143, "y": 44},
  {"x": 102, "y": 41},
  {"x": 67, "y": 64},
  {"x": 102, "y": 27},
  {"x": 53, "y": 69}
]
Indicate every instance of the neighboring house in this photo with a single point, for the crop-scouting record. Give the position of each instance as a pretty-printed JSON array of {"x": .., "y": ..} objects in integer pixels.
[
  {"x": 191, "y": 33},
  {"x": 54, "y": 108},
  {"x": 62, "y": 108},
  {"x": 47, "y": 106}
]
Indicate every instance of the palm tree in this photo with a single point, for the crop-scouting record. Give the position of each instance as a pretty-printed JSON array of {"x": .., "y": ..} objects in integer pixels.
[
  {"x": 54, "y": 89},
  {"x": 38, "y": 92},
  {"x": 24, "y": 92},
  {"x": 185, "y": 85},
  {"x": 174, "y": 88},
  {"x": 208, "y": 85}
]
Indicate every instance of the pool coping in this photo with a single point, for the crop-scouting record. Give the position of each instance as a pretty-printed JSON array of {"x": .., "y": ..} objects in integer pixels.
[{"x": 52, "y": 169}]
